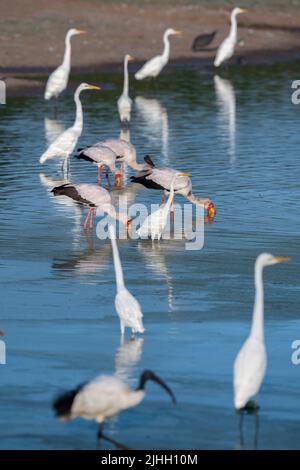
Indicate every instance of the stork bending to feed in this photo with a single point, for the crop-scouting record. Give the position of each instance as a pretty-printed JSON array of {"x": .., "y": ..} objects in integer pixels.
[
  {"x": 154, "y": 66},
  {"x": 226, "y": 49},
  {"x": 58, "y": 80},
  {"x": 92, "y": 196},
  {"x": 127, "y": 307},
  {"x": 161, "y": 178},
  {"x": 251, "y": 362},
  {"x": 63, "y": 146},
  {"x": 156, "y": 222},
  {"x": 125, "y": 102},
  {"x": 101, "y": 156},
  {"x": 102, "y": 398}
]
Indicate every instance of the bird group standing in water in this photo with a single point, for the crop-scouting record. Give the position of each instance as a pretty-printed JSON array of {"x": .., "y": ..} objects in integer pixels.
[{"x": 106, "y": 396}]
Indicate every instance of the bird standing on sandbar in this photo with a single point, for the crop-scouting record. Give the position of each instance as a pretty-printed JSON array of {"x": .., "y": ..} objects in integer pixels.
[{"x": 58, "y": 80}]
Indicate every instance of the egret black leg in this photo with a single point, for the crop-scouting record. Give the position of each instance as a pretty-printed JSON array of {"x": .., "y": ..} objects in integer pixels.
[{"x": 100, "y": 436}]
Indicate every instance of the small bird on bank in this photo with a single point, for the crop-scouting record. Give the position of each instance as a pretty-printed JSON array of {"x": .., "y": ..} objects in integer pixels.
[
  {"x": 127, "y": 307},
  {"x": 202, "y": 41},
  {"x": 103, "y": 398},
  {"x": 226, "y": 48},
  {"x": 154, "y": 66},
  {"x": 251, "y": 362},
  {"x": 58, "y": 80},
  {"x": 63, "y": 146},
  {"x": 125, "y": 102},
  {"x": 92, "y": 196}
]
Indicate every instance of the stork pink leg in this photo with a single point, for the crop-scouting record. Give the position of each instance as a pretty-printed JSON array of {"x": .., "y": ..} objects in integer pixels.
[
  {"x": 91, "y": 218},
  {"x": 86, "y": 219},
  {"x": 173, "y": 203}
]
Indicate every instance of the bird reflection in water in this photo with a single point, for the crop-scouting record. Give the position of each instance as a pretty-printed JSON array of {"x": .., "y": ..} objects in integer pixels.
[
  {"x": 155, "y": 124},
  {"x": 128, "y": 356},
  {"x": 241, "y": 444},
  {"x": 227, "y": 116}
]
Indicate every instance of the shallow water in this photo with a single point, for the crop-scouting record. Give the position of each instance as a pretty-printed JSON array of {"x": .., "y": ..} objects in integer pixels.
[{"x": 240, "y": 140}]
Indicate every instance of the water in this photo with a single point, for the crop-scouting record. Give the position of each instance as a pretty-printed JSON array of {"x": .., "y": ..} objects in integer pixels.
[{"x": 240, "y": 140}]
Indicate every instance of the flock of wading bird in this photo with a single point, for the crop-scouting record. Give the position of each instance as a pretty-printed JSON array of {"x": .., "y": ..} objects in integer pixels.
[{"x": 107, "y": 396}]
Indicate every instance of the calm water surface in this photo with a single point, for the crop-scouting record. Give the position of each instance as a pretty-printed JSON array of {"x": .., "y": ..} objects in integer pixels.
[{"x": 239, "y": 136}]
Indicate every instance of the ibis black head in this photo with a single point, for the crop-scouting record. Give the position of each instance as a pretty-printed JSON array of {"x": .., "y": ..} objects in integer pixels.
[{"x": 149, "y": 375}]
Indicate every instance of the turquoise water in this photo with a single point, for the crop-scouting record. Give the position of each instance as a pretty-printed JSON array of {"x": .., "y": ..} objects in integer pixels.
[{"x": 240, "y": 139}]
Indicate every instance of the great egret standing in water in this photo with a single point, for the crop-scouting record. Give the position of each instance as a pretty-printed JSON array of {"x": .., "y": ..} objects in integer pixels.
[
  {"x": 226, "y": 49},
  {"x": 64, "y": 145},
  {"x": 125, "y": 102},
  {"x": 156, "y": 222},
  {"x": 102, "y": 398},
  {"x": 251, "y": 361},
  {"x": 154, "y": 66},
  {"x": 128, "y": 308},
  {"x": 58, "y": 80}
]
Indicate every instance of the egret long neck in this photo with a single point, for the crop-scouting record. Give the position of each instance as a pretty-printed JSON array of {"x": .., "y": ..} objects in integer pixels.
[
  {"x": 166, "y": 52},
  {"x": 67, "y": 55},
  {"x": 118, "y": 266},
  {"x": 171, "y": 195},
  {"x": 257, "y": 328},
  {"x": 78, "y": 124},
  {"x": 233, "y": 28},
  {"x": 126, "y": 81}
]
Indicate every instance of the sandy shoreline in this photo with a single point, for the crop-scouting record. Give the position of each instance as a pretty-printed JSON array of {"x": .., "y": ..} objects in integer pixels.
[{"x": 32, "y": 36}]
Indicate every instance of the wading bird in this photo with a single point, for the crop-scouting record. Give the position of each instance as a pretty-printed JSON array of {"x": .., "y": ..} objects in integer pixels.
[
  {"x": 103, "y": 398},
  {"x": 92, "y": 196},
  {"x": 64, "y": 145},
  {"x": 154, "y": 66},
  {"x": 226, "y": 49},
  {"x": 101, "y": 156},
  {"x": 58, "y": 80},
  {"x": 125, "y": 102},
  {"x": 127, "y": 307},
  {"x": 156, "y": 222},
  {"x": 251, "y": 361},
  {"x": 161, "y": 178}
]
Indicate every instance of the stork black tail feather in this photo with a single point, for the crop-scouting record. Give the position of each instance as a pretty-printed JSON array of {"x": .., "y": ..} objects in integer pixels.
[
  {"x": 63, "y": 403},
  {"x": 149, "y": 161},
  {"x": 83, "y": 156},
  {"x": 60, "y": 190}
]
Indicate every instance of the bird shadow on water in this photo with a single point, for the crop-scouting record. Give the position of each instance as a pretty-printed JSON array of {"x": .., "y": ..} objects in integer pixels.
[{"x": 244, "y": 417}]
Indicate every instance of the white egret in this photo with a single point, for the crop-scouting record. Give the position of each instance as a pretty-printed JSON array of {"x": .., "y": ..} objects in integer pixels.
[
  {"x": 156, "y": 222},
  {"x": 125, "y": 102},
  {"x": 102, "y": 398},
  {"x": 127, "y": 307},
  {"x": 53, "y": 129},
  {"x": 226, "y": 49},
  {"x": 161, "y": 178},
  {"x": 251, "y": 361},
  {"x": 101, "y": 156},
  {"x": 92, "y": 196},
  {"x": 58, "y": 80},
  {"x": 64, "y": 145},
  {"x": 154, "y": 66}
]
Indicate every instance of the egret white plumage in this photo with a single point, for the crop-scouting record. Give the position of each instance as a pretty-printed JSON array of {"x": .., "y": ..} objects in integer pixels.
[
  {"x": 156, "y": 222},
  {"x": 64, "y": 145},
  {"x": 251, "y": 361},
  {"x": 161, "y": 178},
  {"x": 226, "y": 49},
  {"x": 125, "y": 102},
  {"x": 92, "y": 196},
  {"x": 102, "y": 398},
  {"x": 127, "y": 307},
  {"x": 58, "y": 80},
  {"x": 101, "y": 156},
  {"x": 154, "y": 66}
]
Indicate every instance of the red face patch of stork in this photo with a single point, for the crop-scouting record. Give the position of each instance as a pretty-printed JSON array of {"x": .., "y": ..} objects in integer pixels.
[{"x": 71, "y": 192}]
